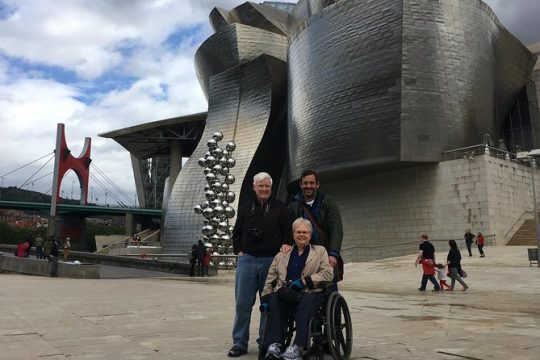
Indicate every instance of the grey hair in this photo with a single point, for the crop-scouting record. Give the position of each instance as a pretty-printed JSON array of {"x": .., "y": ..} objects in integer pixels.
[
  {"x": 303, "y": 221},
  {"x": 261, "y": 176}
]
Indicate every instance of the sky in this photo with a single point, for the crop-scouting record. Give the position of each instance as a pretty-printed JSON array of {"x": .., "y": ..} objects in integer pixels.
[{"x": 103, "y": 65}]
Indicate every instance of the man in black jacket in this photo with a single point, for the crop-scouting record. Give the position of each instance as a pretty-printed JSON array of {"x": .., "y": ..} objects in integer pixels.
[
  {"x": 262, "y": 226},
  {"x": 324, "y": 216}
]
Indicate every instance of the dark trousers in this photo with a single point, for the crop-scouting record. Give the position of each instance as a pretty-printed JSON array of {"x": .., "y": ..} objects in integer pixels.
[
  {"x": 469, "y": 243},
  {"x": 280, "y": 313},
  {"x": 192, "y": 263},
  {"x": 481, "y": 249},
  {"x": 433, "y": 280}
]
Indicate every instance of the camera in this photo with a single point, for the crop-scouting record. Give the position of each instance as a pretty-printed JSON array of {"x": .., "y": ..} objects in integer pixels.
[{"x": 255, "y": 235}]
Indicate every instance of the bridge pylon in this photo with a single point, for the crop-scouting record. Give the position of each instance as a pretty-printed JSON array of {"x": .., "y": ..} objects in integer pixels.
[{"x": 64, "y": 162}]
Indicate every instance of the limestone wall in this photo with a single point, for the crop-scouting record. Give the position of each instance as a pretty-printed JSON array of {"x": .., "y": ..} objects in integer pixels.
[{"x": 390, "y": 210}]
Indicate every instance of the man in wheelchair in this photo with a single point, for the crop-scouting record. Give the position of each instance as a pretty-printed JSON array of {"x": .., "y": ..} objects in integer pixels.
[{"x": 291, "y": 288}]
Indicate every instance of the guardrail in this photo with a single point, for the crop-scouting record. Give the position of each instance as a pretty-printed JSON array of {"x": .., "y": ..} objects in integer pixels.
[
  {"x": 225, "y": 261},
  {"x": 364, "y": 253}
]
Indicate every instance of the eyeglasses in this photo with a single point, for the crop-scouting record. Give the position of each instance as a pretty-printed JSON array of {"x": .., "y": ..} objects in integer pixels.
[{"x": 302, "y": 232}]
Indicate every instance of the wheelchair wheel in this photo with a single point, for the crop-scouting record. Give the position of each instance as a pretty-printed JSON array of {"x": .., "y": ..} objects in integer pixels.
[{"x": 338, "y": 327}]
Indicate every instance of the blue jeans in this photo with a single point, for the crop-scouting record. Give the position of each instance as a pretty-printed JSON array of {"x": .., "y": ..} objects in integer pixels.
[
  {"x": 433, "y": 280},
  {"x": 250, "y": 277}
]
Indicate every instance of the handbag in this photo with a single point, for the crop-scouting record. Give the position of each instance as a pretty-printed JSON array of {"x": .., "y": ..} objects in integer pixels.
[
  {"x": 462, "y": 273},
  {"x": 289, "y": 296}
]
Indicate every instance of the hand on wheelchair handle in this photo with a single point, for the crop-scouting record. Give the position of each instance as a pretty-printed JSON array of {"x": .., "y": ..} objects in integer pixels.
[
  {"x": 297, "y": 284},
  {"x": 265, "y": 307}
]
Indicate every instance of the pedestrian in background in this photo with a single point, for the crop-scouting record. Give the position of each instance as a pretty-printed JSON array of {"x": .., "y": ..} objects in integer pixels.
[
  {"x": 53, "y": 257},
  {"x": 206, "y": 261},
  {"x": 193, "y": 260},
  {"x": 39, "y": 247},
  {"x": 480, "y": 241},
  {"x": 67, "y": 246},
  {"x": 469, "y": 238},
  {"x": 22, "y": 248},
  {"x": 47, "y": 247}
]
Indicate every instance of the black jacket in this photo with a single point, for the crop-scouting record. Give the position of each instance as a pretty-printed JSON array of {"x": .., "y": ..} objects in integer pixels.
[
  {"x": 261, "y": 228},
  {"x": 454, "y": 259}
]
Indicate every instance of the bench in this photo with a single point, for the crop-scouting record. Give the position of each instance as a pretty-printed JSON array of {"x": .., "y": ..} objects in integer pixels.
[{"x": 533, "y": 256}]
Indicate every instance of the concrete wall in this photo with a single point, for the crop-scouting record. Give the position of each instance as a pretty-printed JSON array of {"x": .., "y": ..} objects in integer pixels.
[
  {"x": 43, "y": 268},
  {"x": 484, "y": 194}
]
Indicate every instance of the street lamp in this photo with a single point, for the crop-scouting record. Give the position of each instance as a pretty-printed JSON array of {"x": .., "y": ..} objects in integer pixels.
[{"x": 530, "y": 156}]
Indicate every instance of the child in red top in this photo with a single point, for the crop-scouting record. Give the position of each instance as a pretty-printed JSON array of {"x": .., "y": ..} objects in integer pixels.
[
  {"x": 206, "y": 261},
  {"x": 428, "y": 266}
]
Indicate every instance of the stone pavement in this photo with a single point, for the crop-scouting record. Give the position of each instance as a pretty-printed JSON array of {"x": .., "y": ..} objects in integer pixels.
[{"x": 174, "y": 317}]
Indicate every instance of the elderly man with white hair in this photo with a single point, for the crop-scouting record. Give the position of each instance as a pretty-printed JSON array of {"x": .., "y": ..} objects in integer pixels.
[{"x": 262, "y": 226}]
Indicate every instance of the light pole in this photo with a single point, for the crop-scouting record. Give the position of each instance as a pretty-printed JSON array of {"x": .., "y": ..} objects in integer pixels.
[{"x": 530, "y": 156}]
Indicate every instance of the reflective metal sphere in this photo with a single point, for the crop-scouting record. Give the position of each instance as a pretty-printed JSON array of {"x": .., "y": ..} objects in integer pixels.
[
  {"x": 224, "y": 170},
  {"x": 217, "y": 169},
  {"x": 207, "y": 170},
  {"x": 216, "y": 186},
  {"x": 215, "y": 202},
  {"x": 202, "y": 162},
  {"x": 226, "y": 153},
  {"x": 223, "y": 226},
  {"x": 214, "y": 221},
  {"x": 214, "y": 238},
  {"x": 218, "y": 210},
  {"x": 210, "y": 194},
  {"x": 205, "y": 204},
  {"x": 211, "y": 177},
  {"x": 217, "y": 152},
  {"x": 231, "y": 162},
  {"x": 224, "y": 203},
  {"x": 230, "y": 196},
  {"x": 208, "y": 230},
  {"x": 211, "y": 161},
  {"x": 225, "y": 187},
  {"x": 229, "y": 179},
  {"x": 212, "y": 144},
  {"x": 218, "y": 136},
  {"x": 229, "y": 212},
  {"x": 225, "y": 238},
  {"x": 198, "y": 209},
  {"x": 230, "y": 146},
  {"x": 208, "y": 212}
]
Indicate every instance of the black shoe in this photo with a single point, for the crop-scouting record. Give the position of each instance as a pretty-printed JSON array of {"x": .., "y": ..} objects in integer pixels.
[{"x": 236, "y": 352}]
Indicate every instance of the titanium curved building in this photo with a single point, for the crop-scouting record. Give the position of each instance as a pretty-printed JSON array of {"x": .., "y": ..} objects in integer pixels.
[{"x": 369, "y": 93}]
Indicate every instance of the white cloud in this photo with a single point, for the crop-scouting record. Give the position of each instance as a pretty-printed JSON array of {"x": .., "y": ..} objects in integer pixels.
[{"x": 102, "y": 42}]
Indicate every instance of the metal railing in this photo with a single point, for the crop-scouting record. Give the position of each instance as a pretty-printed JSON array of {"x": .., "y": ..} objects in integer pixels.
[
  {"x": 480, "y": 149},
  {"x": 224, "y": 261},
  {"x": 363, "y": 253}
]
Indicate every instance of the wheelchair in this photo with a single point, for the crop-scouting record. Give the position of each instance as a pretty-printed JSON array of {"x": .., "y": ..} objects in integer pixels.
[{"x": 330, "y": 330}]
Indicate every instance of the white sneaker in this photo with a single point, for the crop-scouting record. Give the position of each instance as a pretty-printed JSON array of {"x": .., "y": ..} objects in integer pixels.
[
  {"x": 273, "y": 352},
  {"x": 293, "y": 352}
]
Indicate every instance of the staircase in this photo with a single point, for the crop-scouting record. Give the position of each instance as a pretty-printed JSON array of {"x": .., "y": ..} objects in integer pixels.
[{"x": 525, "y": 235}]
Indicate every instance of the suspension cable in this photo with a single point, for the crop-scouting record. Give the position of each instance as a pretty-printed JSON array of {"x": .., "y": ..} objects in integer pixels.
[
  {"x": 30, "y": 163},
  {"x": 38, "y": 170},
  {"x": 113, "y": 184}
]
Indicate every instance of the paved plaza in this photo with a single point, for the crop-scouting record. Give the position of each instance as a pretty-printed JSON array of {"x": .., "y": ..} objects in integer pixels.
[{"x": 173, "y": 317}]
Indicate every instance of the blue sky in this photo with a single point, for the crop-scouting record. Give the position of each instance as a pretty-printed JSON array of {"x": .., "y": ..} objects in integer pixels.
[{"x": 102, "y": 65}]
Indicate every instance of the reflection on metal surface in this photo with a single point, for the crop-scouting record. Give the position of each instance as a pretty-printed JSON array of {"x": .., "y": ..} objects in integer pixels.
[{"x": 349, "y": 87}]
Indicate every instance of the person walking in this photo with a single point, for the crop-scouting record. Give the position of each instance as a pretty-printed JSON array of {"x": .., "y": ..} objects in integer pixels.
[
  {"x": 206, "y": 260},
  {"x": 39, "y": 247},
  {"x": 200, "y": 251},
  {"x": 441, "y": 276},
  {"x": 53, "y": 257},
  {"x": 67, "y": 246},
  {"x": 469, "y": 238},
  {"x": 47, "y": 247},
  {"x": 262, "y": 226},
  {"x": 193, "y": 260},
  {"x": 428, "y": 268},
  {"x": 22, "y": 248},
  {"x": 324, "y": 215},
  {"x": 453, "y": 261},
  {"x": 480, "y": 241}
]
